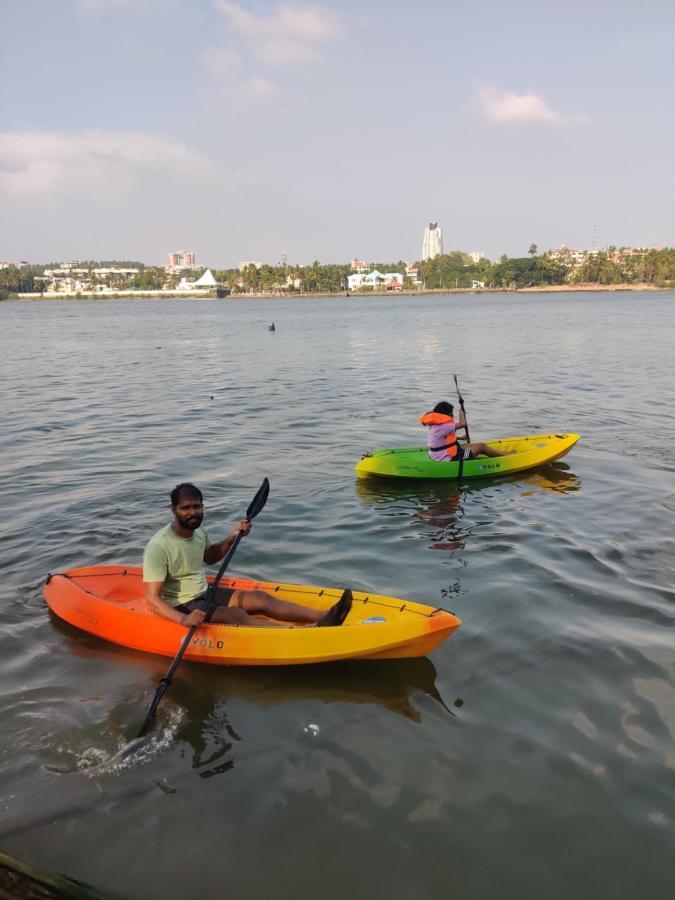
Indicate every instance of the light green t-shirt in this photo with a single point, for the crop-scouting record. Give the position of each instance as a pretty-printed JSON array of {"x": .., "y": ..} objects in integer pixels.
[{"x": 178, "y": 562}]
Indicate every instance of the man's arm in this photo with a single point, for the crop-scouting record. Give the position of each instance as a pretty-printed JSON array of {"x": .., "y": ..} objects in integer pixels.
[
  {"x": 215, "y": 552},
  {"x": 153, "y": 597},
  {"x": 461, "y": 422}
]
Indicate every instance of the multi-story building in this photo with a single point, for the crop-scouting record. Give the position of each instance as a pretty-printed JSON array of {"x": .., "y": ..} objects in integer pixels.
[
  {"x": 180, "y": 259},
  {"x": 359, "y": 265},
  {"x": 413, "y": 273},
  {"x": 432, "y": 245}
]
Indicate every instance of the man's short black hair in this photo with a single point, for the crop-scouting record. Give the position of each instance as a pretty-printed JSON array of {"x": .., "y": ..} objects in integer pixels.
[
  {"x": 185, "y": 487},
  {"x": 445, "y": 408}
]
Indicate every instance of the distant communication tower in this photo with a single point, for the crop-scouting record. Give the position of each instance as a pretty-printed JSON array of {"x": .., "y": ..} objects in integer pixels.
[
  {"x": 594, "y": 239},
  {"x": 284, "y": 259}
]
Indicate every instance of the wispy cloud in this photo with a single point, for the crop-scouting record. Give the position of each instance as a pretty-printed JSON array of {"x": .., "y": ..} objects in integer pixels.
[
  {"x": 288, "y": 35},
  {"x": 98, "y": 5},
  {"x": 508, "y": 108},
  {"x": 47, "y": 162},
  {"x": 232, "y": 81},
  {"x": 222, "y": 63},
  {"x": 259, "y": 88}
]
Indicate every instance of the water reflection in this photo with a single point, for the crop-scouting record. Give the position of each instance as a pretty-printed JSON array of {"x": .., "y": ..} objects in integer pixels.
[
  {"x": 442, "y": 504},
  {"x": 206, "y": 695},
  {"x": 445, "y": 515},
  {"x": 557, "y": 477},
  {"x": 197, "y": 712}
]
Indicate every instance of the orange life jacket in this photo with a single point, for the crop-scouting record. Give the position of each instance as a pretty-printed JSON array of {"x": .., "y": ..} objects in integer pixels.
[{"x": 434, "y": 418}]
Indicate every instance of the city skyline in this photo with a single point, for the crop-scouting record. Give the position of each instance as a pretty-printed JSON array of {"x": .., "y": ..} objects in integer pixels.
[{"x": 245, "y": 131}]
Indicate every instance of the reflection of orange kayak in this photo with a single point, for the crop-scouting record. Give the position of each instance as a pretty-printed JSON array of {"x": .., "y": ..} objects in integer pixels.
[{"x": 107, "y": 601}]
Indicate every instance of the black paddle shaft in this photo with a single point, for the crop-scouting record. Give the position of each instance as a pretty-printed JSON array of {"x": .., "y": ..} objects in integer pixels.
[
  {"x": 461, "y": 404},
  {"x": 254, "y": 508}
]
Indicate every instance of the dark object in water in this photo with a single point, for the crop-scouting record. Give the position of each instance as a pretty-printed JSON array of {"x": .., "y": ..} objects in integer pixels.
[
  {"x": 22, "y": 879},
  {"x": 271, "y": 326}
]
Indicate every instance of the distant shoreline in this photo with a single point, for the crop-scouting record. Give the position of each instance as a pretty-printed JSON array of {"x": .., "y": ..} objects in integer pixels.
[{"x": 197, "y": 295}]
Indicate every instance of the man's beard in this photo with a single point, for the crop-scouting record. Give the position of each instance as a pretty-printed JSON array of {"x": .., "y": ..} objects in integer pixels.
[{"x": 192, "y": 523}]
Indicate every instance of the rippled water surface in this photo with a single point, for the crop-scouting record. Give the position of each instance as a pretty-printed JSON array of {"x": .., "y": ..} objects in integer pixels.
[{"x": 532, "y": 755}]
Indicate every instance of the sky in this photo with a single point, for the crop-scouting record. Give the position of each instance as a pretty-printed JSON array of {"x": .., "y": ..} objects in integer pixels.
[{"x": 333, "y": 130}]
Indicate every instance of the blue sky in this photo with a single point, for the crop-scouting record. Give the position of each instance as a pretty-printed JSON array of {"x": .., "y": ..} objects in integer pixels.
[{"x": 130, "y": 128}]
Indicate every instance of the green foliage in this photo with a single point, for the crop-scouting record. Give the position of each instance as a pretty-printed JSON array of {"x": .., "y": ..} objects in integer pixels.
[
  {"x": 14, "y": 280},
  {"x": 150, "y": 279},
  {"x": 528, "y": 272},
  {"x": 103, "y": 264},
  {"x": 622, "y": 266},
  {"x": 454, "y": 270}
]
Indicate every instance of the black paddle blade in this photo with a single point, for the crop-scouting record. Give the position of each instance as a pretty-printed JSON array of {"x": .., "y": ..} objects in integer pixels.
[{"x": 259, "y": 500}]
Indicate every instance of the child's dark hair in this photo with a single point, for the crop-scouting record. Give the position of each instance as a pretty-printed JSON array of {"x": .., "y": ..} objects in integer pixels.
[
  {"x": 444, "y": 407},
  {"x": 185, "y": 487}
]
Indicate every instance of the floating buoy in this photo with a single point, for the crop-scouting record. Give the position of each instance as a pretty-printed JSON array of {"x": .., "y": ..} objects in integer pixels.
[{"x": 271, "y": 326}]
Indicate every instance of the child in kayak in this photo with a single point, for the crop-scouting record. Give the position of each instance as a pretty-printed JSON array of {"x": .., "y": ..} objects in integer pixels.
[{"x": 442, "y": 436}]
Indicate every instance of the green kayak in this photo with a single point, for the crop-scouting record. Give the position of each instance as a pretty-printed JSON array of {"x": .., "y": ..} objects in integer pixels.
[{"x": 413, "y": 462}]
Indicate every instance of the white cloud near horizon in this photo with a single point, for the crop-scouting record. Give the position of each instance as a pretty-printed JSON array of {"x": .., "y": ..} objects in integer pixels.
[
  {"x": 508, "y": 108},
  {"x": 46, "y": 162}
]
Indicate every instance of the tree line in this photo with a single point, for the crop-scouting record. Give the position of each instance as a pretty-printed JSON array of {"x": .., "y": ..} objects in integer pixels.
[{"x": 454, "y": 270}]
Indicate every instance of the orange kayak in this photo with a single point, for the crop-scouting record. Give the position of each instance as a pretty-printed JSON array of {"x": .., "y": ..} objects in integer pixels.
[{"x": 108, "y": 601}]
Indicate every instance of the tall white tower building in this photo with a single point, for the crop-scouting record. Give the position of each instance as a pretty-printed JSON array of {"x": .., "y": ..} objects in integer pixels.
[{"x": 432, "y": 245}]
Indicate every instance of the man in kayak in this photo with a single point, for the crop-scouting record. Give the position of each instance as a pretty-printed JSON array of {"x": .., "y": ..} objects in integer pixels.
[
  {"x": 175, "y": 584},
  {"x": 442, "y": 436}
]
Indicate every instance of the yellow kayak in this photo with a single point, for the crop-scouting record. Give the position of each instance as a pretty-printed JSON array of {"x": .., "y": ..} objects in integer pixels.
[
  {"x": 108, "y": 601},
  {"x": 414, "y": 462}
]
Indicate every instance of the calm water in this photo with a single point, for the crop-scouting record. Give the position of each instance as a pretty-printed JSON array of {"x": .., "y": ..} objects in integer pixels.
[{"x": 530, "y": 756}]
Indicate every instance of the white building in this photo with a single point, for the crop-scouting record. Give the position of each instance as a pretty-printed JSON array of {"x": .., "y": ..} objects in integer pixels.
[
  {"x": 569, "y": 258},
  {"x": 388, "y": 281},
  {"x": 251, "y": 262},
  {"x": 413, "y": 273},
  {"x": 476, "y": 257},
  {"x": 69, "y": 279},
  {"x": 432, "y": 245}
]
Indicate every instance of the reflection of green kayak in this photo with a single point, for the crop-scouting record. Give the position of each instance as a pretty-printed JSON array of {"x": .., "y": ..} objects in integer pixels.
[{"x": 413, "y": 462}]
